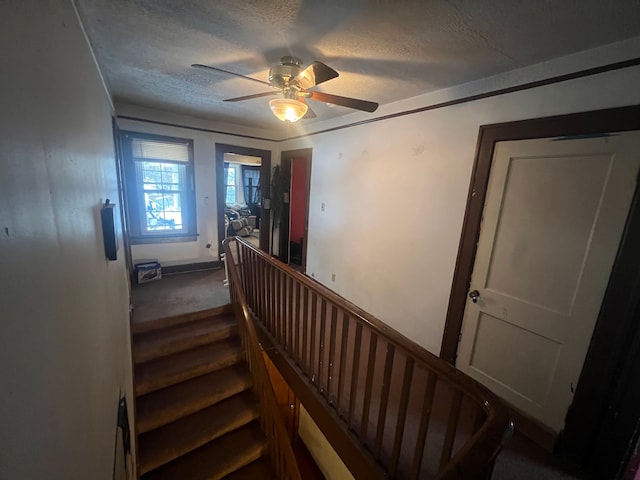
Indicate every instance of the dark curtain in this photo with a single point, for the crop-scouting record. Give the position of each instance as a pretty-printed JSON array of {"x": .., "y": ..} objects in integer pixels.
[{"x": 251, "y": 183}]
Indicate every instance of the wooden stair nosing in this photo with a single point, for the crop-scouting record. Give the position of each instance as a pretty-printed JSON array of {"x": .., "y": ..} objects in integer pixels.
[
  {"x": 153, "y": 345},
  {"x": 151, "y": 325},
  {"x": 182, "y": 366},
  {"x": 162, "y": 445},
  {"x": 216, "y": 459},
  {"x": 168, "y": 405}
]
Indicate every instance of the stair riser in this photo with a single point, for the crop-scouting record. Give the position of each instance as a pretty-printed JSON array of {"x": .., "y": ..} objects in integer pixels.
[
  {"x": 148, "y": 446},
  {"x": 162, "y": 417},
  {"x": 144, "y": 355},
  {"x": 164, "y": 381},
  {"x": 242, "y": 461},
  {"x": 216, "y": 459},
  {"x": 168, "y": 322}
]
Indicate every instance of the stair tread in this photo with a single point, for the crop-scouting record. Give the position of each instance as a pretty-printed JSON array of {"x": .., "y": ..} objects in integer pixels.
[
  {"x": 162, "y": 445},
  {"x": 182, "y": 366},
  {"x": 169, "y": 404},
  {"x": 154, "y": 344},
  {"x": 259, "y": 470},
  {"x": 216, "y": 459}
]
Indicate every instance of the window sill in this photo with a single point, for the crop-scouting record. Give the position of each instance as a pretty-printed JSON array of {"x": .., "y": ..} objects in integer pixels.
[{"x": 148, "y": 239}]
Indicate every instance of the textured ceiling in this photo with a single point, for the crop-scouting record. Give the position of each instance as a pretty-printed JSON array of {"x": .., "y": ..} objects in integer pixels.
[{"x": 385, "y": 50}]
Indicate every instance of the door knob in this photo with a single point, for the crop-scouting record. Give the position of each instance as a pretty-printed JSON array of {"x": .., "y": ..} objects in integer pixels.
[{"x": 474, "y": 295}]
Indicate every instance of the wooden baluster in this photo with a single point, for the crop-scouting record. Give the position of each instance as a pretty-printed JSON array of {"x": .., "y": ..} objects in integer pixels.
[
  {"x": 478, "y": 418},
  {"x": 254, "y": 281},
  {"x": 254, "y": 284},
  {"x": 332, "y": 350},
  {"x": 296, "y": 320},
  {"x": 244, "y": 268},
  {"x": 355, "y": 367},
  {"x": 306, "y": 363},
  {"x": 373, "y": 342},
  {"x": 343, "y": 358},
  {"x": 279, "y": 306},
  {"x": 314, "y": 307},
  {"x": 284, "y": 302},
  {"x": 247, "y": 278},
  {"x": 384, "y": 399},
  {"x": 402, "y": 415},
  {"x": 274, "y": 293},
  {"x": 267, "y": 295},
  {"x": 241, "y": 266},
  {"x": 283, "y": 310},
  {"x": 264, "y": 292},
  {"x": 290, "y": 303},
  {"x": 425, "y": 418},
  {"x": 321, "y": 359},
  {"x": 452, "y": 426},
  {"x": 264, "y": 295},
  {"x": 272, "y": 300}
]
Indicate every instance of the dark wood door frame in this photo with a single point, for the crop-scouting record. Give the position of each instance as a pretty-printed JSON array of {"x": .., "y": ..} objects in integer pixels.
[
  {"x": 611, "y": 372},
  {"x": 601, "y": 363},
  {"x": 285, "y": 165},
  {"x": 265, "y": 188}
]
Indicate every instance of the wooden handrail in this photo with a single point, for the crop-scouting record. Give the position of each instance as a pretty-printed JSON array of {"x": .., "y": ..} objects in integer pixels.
[
  {"x": 413, "y": 414},
  {"x": 279, "y": 446}
]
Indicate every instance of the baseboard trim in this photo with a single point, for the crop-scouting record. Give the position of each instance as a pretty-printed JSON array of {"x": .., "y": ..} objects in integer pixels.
[
  {"x": 533, "y": 429},
  {"x": 191, "y": 267}
]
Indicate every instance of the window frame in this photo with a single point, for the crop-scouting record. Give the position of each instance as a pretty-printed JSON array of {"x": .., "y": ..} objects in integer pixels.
[{"x": 134, "y": 193}]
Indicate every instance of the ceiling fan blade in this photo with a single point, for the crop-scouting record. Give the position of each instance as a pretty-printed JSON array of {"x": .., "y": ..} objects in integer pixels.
[
  {"x": 363, "y": 105},
  {"x": 216, "y": 69},
  {"x": 255, "y": 95},
  {"x": 315, "y": 74}
]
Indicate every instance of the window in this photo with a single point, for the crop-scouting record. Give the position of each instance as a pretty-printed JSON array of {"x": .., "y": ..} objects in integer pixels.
[
  {"x": 160, "y": 193},
  {"x": 232, "y": 182}
]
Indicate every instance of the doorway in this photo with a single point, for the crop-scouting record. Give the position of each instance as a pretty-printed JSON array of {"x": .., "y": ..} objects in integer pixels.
[
  {"x": 608, "y": 348},
  {"x": 553, "y": 219},
  {"x": 243, "y": 178},
  {"x": 296, "y": 167}
]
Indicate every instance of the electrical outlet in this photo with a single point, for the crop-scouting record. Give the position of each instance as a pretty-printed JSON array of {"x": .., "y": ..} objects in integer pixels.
[
  {"x": 333, "y": 277},
  {"x": 322, "y": 207}
]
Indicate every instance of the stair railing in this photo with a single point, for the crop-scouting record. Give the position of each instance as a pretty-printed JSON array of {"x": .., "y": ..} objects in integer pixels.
[
  {"x": 412, "y": 414},
  {"x": 279, "y": 446}
]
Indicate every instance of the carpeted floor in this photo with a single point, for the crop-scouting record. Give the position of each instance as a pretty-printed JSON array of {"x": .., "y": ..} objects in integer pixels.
[{"x": 183, "y": 293}]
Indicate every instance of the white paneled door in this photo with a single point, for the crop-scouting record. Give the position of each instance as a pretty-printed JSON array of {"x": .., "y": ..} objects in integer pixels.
[{"x": 553, "y": 218}]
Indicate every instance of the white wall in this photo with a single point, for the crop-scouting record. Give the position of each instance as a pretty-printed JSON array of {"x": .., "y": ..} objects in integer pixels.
[
  {"x": 64, "y": 337},
  {"x": 204, "y": 145},
  {"x": 395, "y": 191}
]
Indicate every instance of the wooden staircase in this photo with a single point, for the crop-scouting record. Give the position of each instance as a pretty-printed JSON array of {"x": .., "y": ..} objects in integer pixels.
[{"x": 196, "y": 415}]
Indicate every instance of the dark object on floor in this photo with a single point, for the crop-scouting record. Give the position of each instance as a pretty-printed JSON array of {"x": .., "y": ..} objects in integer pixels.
[{"x": 147, "y": 271}]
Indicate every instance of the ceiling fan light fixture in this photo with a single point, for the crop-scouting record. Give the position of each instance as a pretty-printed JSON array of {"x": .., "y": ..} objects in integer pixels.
[{"x": 288, "y": 110}]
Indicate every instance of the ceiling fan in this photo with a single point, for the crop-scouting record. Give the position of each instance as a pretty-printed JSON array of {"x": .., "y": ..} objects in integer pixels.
[{"x": 293, "y": 82}]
